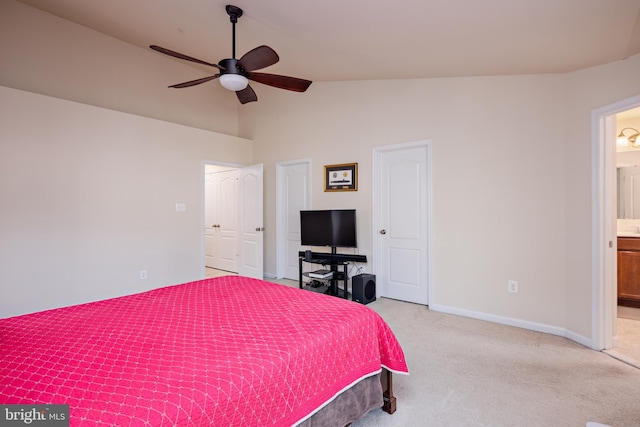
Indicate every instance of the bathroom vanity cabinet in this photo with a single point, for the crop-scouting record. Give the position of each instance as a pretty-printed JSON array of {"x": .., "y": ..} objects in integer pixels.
[{"x": 629, "y": 271}]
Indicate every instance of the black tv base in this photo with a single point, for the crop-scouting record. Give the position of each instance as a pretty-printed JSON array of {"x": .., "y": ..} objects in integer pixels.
[{"x": 334, "y": 261}]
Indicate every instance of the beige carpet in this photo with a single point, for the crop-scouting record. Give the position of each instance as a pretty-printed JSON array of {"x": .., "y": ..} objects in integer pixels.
[{"x": 467, "y": 372}]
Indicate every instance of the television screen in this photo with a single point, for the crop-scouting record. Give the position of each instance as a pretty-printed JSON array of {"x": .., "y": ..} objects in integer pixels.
[{"x": 335, "y": 227}]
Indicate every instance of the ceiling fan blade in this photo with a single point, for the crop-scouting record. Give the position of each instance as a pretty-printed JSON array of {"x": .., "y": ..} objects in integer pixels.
[
  {"x": 258, "y": 58},
  {"x": 195, "y": 82},
  {"x": 283, "y": 82},
  {"x": 246, "y": 95},
  {"x": 182, "y": 56}
]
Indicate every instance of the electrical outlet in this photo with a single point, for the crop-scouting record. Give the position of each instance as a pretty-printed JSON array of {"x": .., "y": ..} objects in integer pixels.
[
  {"x": 143, "y": 274},
  {"x": 181, "y": 207},
  {"x": 512, "y": 286}
]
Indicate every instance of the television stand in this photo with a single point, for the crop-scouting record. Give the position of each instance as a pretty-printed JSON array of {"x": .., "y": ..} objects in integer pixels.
[
  {"x": 334, "y": 261},
  {"x": 333, "y": 281}
]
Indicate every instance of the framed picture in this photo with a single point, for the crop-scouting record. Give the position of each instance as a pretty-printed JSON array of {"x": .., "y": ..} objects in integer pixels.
[{"x": 341, "y": 177}]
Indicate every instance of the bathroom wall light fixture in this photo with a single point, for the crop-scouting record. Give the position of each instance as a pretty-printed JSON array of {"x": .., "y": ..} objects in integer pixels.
[{"x": 625, "y": 141}]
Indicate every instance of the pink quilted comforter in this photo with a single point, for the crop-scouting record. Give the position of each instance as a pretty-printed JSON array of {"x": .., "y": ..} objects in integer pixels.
[{"x": 230, "y": 351}]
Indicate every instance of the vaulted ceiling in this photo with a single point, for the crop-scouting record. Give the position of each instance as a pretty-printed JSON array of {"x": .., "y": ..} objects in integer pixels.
[{"x": 333, "y": 40}]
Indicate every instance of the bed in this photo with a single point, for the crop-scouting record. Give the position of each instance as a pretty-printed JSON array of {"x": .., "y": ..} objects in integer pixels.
[{"x": 227, "y": 351}]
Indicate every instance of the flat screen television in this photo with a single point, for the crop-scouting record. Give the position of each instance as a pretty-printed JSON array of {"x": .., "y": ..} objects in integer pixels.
[{"x": 334, "y": 228}]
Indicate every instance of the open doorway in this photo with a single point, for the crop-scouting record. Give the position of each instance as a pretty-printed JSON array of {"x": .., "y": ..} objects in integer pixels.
[
  {"x": 232, "y": 218},
  {"x": 607, "y": 122},
  {"x": 626, "y": 344},
  {"x": 221, "y": 219}
]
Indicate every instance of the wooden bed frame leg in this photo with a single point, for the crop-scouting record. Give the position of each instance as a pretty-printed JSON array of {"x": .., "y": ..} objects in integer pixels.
[{"x": 389, "y": 405}]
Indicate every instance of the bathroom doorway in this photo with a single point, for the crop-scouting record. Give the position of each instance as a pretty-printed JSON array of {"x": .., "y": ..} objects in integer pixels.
[
  {"x": 605, "y": 334},
  {"x": 626, "y": 342}
]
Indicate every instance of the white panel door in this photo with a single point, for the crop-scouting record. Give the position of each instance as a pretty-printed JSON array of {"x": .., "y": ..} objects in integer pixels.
[
  {"x": 210, "y": 230},
  {"x": 227, "y": 208},
  {"x": 402, "y": 222},
  {"x": 295, "y": 197},
  {"x": 251, "y": 222}
]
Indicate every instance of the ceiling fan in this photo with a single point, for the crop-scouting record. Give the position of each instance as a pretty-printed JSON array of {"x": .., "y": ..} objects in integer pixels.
[{"x": 235, "y": 73}]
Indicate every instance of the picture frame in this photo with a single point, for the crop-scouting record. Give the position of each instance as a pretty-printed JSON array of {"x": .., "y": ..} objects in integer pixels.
[{"x": 343, "y": 177}]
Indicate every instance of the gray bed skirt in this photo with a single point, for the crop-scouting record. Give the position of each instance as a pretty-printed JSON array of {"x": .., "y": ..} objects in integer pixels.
[{"x": 350, "y": 405}]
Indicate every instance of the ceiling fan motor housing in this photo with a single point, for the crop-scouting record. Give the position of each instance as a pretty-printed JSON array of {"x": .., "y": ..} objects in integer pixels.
[{"x": 230, "y": 66}]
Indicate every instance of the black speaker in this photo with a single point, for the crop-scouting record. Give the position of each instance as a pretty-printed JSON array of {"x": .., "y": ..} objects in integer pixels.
[
  {"x": 308, "y": 255},
  {"x": 363, "y": 288}
]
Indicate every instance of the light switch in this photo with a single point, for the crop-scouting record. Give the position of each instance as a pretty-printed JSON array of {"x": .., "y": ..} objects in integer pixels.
[{"x": 181, "y": 207}]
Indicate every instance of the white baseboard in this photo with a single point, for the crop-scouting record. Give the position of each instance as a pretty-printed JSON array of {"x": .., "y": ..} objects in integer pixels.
[{"x": 519, "y": 323}]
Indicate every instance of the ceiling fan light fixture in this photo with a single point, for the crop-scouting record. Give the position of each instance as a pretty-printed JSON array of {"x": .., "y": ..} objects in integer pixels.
[{"x": 234, "y": 82}]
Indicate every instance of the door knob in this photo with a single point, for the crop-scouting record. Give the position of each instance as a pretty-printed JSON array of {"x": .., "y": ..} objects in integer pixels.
[{"x": 383, "y": 231}]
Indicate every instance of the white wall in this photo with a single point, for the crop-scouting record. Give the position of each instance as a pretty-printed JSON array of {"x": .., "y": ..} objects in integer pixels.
[
  {"x": 498, "y": 176},
  {"x": 88, "y": 200},
  {"x": 45, "y": 54},
  {"x": 512, "y": 188}
]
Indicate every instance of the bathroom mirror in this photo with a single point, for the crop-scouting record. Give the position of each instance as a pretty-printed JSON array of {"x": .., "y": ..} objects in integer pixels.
[{"x": 628, "y": 183}]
